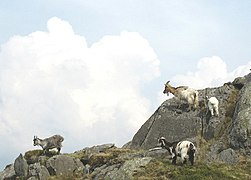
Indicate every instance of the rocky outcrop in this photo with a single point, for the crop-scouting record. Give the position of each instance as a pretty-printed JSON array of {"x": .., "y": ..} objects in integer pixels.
[
  {"x": 232, "y": 127},
  {"x": 240, "y": 133},
  {"x": 167, "y": 121},
  {"x": 178, "y": 124},
  {"x": 98, "y": 162},
  {"x": 225, "y": 138},
  {"x": 21, "y": 166},
  {"x": 61, "y": 164},
  {"x": 8, "y": 172}
]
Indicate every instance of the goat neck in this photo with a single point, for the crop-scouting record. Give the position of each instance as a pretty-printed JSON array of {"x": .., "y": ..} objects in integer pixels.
[{"x": 42, "y": 142}]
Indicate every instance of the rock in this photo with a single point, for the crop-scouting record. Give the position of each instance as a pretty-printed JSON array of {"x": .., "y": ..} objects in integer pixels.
[
  {"x": 124, "y": 171},
  {"x": 239, "y": 82},
  {"x": 127, "y": 145},
  {"x": 87, "y": 168},
  {"x": 21, "y": 166},
  {"x": 38, "y": 171},
  {"x": 158, "y": 153},
  {"x": 33, "y": 178},
  {"x": 214, "y": 150},
  {"x": 101, "y": 172},
  {"x": 62, "y": 164},
  {"x": 129, "y": 168},
  {"x": 209, "y": 131},
  {"x": 98, "y": 148},
  {"x": 228, "y": 156},
  {"x": 168, "y": 123},
  {"x": 240, "y": 136},
  {"x": 8, "y": 172},
  {"x": 177, "y": 124}
]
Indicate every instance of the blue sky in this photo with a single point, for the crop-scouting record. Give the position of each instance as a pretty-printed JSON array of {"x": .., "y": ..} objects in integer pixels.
[{"x": 94, "y": 71}]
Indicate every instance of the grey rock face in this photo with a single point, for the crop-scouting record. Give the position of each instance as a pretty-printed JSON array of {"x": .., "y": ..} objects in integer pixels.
[
  {"x": 169, "y": 122},
  {"x": 21, "y": 166},
  {"x": 177, "y": 124},
  {"x": 231, "y": 129},
  {"x": 128, "y": 168},
  {"x": 60, "y": 164},
  {"x": 219, "y": 153},
  {"x": 159, "y": 153},
  {"x": 124, "y": 171},
  {"x": 228, "y": 156},
  {"x": 239, "y": 82},
  {"x": 240, "y": 136},
  {"x": 8, "y": 172},
  {"x": 38, "y": 171},
  {"x": 210, "y": 128}
]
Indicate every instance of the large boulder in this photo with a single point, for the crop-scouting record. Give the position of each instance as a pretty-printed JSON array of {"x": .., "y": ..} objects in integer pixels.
[
  {"x": 121, "y": 171},
  {"x": 225, "y": 135},
  {"x": 175, "y": 123},
  {"x": 21, "y": 166},
  {"x": 240, "y": 136},
  {"x": 228, "y": 156},
  {"x": 167, "y": 121},
  {"x": 64, "y": 165}
]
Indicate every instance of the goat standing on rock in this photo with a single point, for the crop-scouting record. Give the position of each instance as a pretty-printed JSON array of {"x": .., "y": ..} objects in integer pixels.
[
  {"x": 49, "y": 143},
  {"x": 183, "y": 149},
  {"x": 213, "y": 105},
  {"x": 183, "y": 93}
]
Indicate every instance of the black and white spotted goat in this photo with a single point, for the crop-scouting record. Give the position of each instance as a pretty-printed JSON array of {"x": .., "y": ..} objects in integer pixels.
[
  {"x": 183, "y": 149},
  {"x": 49, "y": 143}
]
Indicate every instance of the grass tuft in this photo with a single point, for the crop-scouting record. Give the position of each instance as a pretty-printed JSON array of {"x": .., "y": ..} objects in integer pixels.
[{"x": 160, "y": 169}]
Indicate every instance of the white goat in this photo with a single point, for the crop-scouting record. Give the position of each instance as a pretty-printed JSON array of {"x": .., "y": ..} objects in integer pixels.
[
  {"x": 183, "y": 149},
  {"x": 49, "y": 143},
  {"x": 183, "y": 93},
  {"x": 213, "y": 105}
]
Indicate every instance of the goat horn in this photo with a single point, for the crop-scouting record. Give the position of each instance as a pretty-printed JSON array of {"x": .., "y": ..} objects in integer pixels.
[{"x": 167, "y": 82}]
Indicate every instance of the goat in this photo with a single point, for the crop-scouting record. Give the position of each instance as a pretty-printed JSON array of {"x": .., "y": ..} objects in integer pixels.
[
  {"x": 183, "y": 93},
  {"x": 49, "y": 143},
  {"x": 183, "y": 149},
  {"x": 213, "y": 105}
]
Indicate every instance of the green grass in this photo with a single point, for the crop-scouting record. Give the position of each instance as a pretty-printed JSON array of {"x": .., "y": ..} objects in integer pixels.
[
  {"x": 231, "y": 102},
  {"x": 32, "y": 156},
  {"x": 161, "y": 169}
]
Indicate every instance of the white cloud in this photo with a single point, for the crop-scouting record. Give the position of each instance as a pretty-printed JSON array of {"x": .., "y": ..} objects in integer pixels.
[
  {"x": 211, "y": 72},
  {"x": 52, "y": 82}
]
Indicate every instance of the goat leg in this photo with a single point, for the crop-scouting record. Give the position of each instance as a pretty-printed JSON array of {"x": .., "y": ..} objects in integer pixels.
[{"x": 174, "y": 160}]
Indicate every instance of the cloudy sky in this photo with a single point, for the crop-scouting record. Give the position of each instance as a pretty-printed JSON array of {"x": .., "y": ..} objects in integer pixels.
[{"x": 93, "y": 71}]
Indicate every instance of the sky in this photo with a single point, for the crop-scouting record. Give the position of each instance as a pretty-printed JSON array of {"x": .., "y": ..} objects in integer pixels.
[{"x": 93, "y": 71}]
